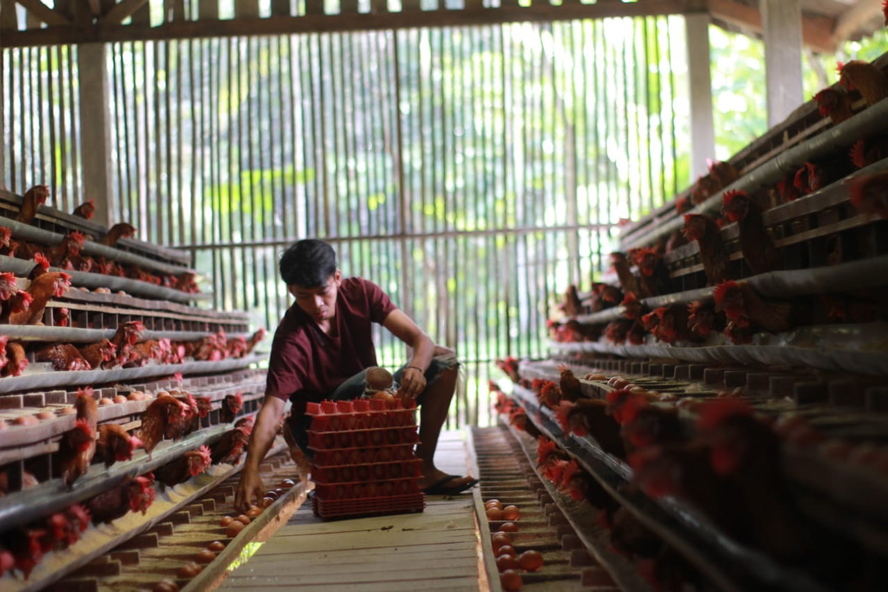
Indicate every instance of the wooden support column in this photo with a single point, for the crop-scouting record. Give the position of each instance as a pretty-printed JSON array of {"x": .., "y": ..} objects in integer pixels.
[
  {"x": 782, "y": 24},
  {"x": 700, "y": 79},
  {"x": 95, "y": 135}
]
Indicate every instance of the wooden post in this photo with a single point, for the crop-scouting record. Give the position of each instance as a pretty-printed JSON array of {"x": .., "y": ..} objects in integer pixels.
[
  {"x": 700, "y": 78},
  {"x": 95, "y": 136},
  {"x": 782, "y": 21}
]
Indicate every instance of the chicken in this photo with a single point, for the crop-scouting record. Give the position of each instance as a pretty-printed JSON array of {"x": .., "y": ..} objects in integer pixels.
[
  {"x": 126, "y": 337},
  {"x": 835, "y": 104},
  {"x": 17, "y": 360},
  {"x": 118, "y": 231},
  {"x": 616, "y": 331},
  {"x": 510, "y": 367},
  {"x": 714, "y": 256},
  {"x": 63, "y": 356},
  {"x": 647, "y": 425},
  {"x": 705, "y": 187},
  {"x": 742, "y": 305},
  {"x": 47, "y": 286},
  {"x": 723, "y": 173},
  {"x": 758, "y": 249},
  {"x": 633, "y": 309},
  {"x": 231, "y": 406},
  {"x": 628, "y": 281},
  {"x": 41, "y": 266},
  {"x": 186, "y": 282},
  {"x": 18, "y": 305},
  {"x": 632, "y": 538},
  {"x": 66, "y": 251},
  {"x": 33, "y": 198},
  {"x": 748, "y": 454},
  {"x": 254, "y": 340},
  {"x": 27, "y": 547},
  {"x": 140, "y": 353},
  {"x": 571, "y": 304},
  {"x": 229, "y": 447},
  {"x": 548, "y": 454},
  {"x": 8, "y": 246},
  {"x": 61, "y": 317},
  {"x": 574, "y": 481},
  {"x": 244, "y": 424},
  {"x": 8, "y": 286},
  {"x": 866, "y": 78},
  {"x": 212, "y": 348},
  {"x": 115, "y": 444},
  {"x": 870, "y": 194},
  {"x": 787, "y": 191},
  {"x": 133, "y": 495},
  {"x": 78, "y": 446},
  {"x": 191, "y": 464},
  {"x": 683, "y": 204},
  {"x": 570, "y": 386},
  {"x": 99, "y": 355},
  {"x": 550, "y": 395},
  {"x": 608, "y": 296},
  {"x": 86, "y": 210},
  {"x": 589, "y": 417},
  {"x": 4, "y": 359},
  {"x": 703, "y": 320},
  {"x": 673, "y": 326},
  {"x": 869, "y": 151},
  {"x": 653, "y": 277},
  {"x": 519, "y": 420},
  {"x": 164, "y": 417}
]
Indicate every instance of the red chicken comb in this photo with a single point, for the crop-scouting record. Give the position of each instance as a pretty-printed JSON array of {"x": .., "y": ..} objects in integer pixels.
[
  {"x": 629, "y": 410},
  {"x": 695, "y": 306},
  {"x": 81, "y": 514},
  {"x": 721, "y": 291},
  {"x": 86, "y": 391},
  {"x": 713, "y": 413},
  {"x": 839, "y": 67},
  {"x": 728, "y": 197},
  {"x": 87, "y": 433},
  {"x": 821, "y": 99},
  {"x": 885, "y": 11},
  {"x": 563, "y": 414},
  {"x": 544, "y": 449},
  {"x": 629, "y": 299},
  {"x": 570, "y": 469},
  {"x": 682, "y": 204},
  {"x": 41, "y": 260},
  {"x": 858, "y": 153}
]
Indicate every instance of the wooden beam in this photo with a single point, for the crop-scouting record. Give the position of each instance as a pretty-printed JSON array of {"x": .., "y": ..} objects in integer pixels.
[
  {"x": 44, "y": 12},
  {"x": 95, "y": 135},
  {"x": 817, "y": 31},
  {"x": 8, "y": 18},
  {"x": 854, "y": 18},
  {"x": 286, "y": 25},
  {"x": 209, "y": 9},
  {"x": 121, "y": 11},
  {"x": 700, "y": 80},
  {"x": 783, "y": 57}
]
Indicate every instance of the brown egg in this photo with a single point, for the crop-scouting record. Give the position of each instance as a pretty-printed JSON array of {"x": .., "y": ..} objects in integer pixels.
[
  {"x": 287, "y": 484},
  {"x": 253, "y": 512},
  {"x": 186, "y": 572},
  {"x": 226, "y": 521},
  {"x": 46, "y": 415},
  {"x": 68, "y": 411},
  {"x": 216, "y": 546},
  {"x": 25, "y": 420},
  {"x": 205, "y": 556},
  {"x": 493, "y": 502},
  {"x": 500, "y": 539},
  {"x": 105, "y": 401},
  {"x": 271, "y": 494},
  {"x": 530, "y": 560},
  {"x": 120, "y": 399},
  {"x": 511, "y": 513},
  {"x": 384, "y": 396},
  {"x": 506, "y": 550},
  {"x": 505, "y": 562},
  {"x": 136, "y": 396},
  {"x": 234, "y": 529},
  {"x": 244, "y": 518},
  {"x": 509, "y": 527},
  {"x": 166, "y": 586},
  {"x": 494, "y": 514},
  {"x": 510, "y": 580},
  {"x": 280, "y": 492},
  {"x": 267, "y": 501},
  {"x": 378, "y": 378}
]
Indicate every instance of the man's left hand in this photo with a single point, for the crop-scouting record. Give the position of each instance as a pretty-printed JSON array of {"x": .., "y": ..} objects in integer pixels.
[{"x": 413, "y": 382}]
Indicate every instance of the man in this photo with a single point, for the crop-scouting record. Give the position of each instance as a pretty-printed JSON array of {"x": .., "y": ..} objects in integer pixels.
[{"x": 322, "y": 350}]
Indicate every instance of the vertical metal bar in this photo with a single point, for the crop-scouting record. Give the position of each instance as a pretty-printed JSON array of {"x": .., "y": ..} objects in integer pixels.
[
  {"x": 117, "y": 107},
  {"x": 14, "y": 64},
  {"x": 50, "y": 69},
  {"x": 671, "y": 108},
  {"x": 159, "y": 136}
]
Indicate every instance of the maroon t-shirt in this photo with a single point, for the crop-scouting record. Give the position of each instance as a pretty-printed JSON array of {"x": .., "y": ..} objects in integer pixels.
[{"x": 306, "y": 364}]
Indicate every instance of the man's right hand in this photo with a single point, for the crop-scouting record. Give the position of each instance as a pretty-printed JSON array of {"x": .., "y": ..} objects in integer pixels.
[{"x": 250, "y": 487}]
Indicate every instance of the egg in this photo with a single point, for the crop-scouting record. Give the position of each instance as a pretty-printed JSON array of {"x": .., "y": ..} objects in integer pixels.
[
  {"x": 271, "y": 494},
  {"x": 226, "y": 521},
  {"x": 120, "y": 399},
  {"x": 267, "y": 501},
  {"x": 511, "y": 513},
  {"x": 166, "y": 586},
  {"x": 186, "y": 572},
  {"x": 505, "y": 562},
  {"x": 253, "y": 512},
  {"x": 216, "y": 546},
  {"x": 46, "y": 415},
  {"x": 530, "y": 560},
  {"x": 287, "y": 484},
  {"x": 493, "y": 502},
  {"x": 105, "y": 401},
  {"x": 244, "y": 519},
  {"x": 205, "y": 556},
  {"x": 506, "y": 550},
  {"x": 510, "y": 580},
  {"x": 500, "y": 539},
  {"x": 234, "y": 529},
  {"x": 68, "y": 411},
  {"x": 494, "y": 514},
  {"x": 25, "y": 420},
  {"x": 509, "y": 527}
]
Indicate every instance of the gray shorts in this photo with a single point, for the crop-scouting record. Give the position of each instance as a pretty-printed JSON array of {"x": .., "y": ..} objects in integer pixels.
[{"x": 353, "y": 388}]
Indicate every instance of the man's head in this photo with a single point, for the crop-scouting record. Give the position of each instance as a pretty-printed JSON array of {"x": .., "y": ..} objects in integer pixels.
[{"x": 308, "y": 268}]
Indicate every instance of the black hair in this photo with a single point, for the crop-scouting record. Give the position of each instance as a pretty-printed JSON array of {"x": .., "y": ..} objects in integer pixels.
[{"x": 308, "y": 263}]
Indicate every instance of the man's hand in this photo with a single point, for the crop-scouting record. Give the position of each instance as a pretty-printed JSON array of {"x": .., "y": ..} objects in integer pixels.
[
  {"x": 413, "y": 382},
  {"x": 250, "y": 486}
]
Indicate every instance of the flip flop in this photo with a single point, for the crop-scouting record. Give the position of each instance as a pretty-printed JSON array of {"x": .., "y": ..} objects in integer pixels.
[{"x": 440, "y": 488}]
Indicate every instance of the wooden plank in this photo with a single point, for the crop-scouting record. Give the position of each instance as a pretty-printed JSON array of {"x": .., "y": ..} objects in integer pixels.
[
  {"x": 320, "y": 23},
  {"x": 121, "y": 11},
  {"x": 394, "y": 572},
  {"x": 8, "y": 17},
  {"x": 95, "y": 134},
  {"x": 783, "y": 57},
  {"x": 246, "y": 9},
  {"x": 44, "y": 13},
  {"x": 209, "y": 9},
  {"x": 817, "y": 31},
  {"x": 854, "y": 17},
  {"x": 700, "y": 79},
  {"x": 280, "y": 7}
]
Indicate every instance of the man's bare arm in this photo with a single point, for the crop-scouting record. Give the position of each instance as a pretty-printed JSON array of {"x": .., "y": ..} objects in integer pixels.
[
  {"x": 261, "y": 439},
  {"x": 413, "y": 382}
]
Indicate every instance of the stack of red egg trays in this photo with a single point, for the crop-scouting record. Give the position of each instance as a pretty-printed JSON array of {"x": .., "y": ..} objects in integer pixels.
[{"x": 364, "y": 462}]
